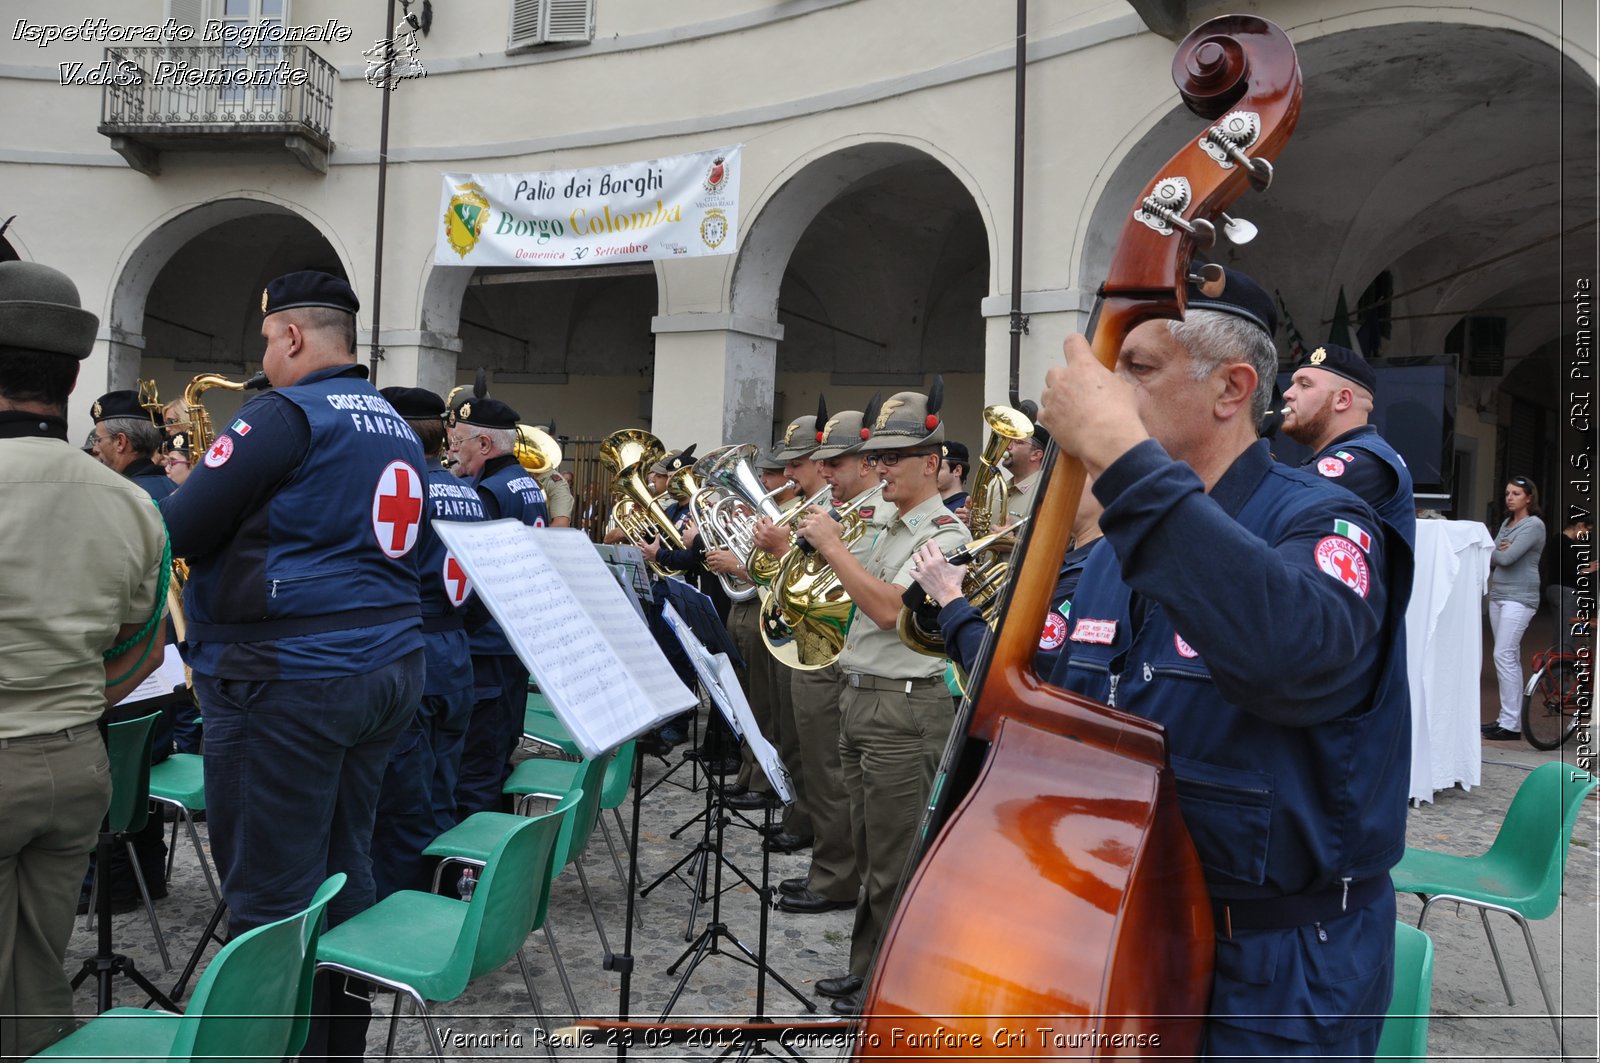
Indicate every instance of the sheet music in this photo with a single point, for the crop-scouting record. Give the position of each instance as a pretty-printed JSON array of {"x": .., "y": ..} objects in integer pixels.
[
  {"x": 570, "y": 623},
  {"x": 717, "y": 675},
  {"x": 161, "y": 682}
]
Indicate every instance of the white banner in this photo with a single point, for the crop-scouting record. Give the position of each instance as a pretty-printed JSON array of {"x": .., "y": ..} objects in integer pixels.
[{"x": 687, "y": 205}]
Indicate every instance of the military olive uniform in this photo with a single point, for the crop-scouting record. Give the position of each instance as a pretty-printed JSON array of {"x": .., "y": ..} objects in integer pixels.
[
  {"x": 895, "y": 716},
  {"x": 816, "y": 695},
  {"x": 1020, "y": 497},
  {"x": 557, "y": 494}
]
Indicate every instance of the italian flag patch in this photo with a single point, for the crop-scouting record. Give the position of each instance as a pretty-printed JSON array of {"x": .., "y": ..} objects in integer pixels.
[
  {"x": 1355, "y": 533},
  {"x": 241, "y": 427}
]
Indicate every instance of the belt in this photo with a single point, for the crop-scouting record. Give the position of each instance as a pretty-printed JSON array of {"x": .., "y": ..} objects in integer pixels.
[
  {"x": 72, "y": 734},
  {"x": 292, "y": 626},
  {"x": 452, "y": 622},
  {"x": 905, "y": 686},
  {"x": 1302, "y": 909}
]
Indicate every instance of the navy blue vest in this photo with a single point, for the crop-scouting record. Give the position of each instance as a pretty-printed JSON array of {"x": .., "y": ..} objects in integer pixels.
[
  {"x": 445, "y": 587},
  {"x": 334, "y": 549},
  {"x": 1399, "y": 510},
  {"x": 519, "y": 497}
]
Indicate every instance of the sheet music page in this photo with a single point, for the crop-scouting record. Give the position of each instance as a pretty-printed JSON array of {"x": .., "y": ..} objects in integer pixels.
[
  {"x": 159, "y": 683},
  {"x": 705, "y": 666},
  {"x": 599, "y": 698}
]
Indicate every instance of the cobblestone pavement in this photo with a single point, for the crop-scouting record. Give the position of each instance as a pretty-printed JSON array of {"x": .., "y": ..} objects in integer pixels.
[{"x": 1471, "y": 1019}]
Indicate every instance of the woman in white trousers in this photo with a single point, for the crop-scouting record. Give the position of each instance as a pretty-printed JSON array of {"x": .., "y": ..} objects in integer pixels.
[{"x": 1513, "y": 599}]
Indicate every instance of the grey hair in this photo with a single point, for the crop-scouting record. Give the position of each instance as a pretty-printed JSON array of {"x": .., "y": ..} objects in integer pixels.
[
  {"x": 501, "y": 440},
  {"x": 143, "y": 436},
  {"x": 1212, "y": 338}
]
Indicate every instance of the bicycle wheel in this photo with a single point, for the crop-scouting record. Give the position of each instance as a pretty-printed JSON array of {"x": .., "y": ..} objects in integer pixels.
[{"x": 1549, "y": 715}]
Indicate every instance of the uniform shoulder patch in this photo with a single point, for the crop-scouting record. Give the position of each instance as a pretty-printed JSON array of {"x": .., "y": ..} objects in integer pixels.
[
  {"x": 1184, "y": 649},
  {"x": 1345, "y": 562},
  {"x": 220, "y": 452},
  {"x": 1054, "y": 633},
  {"x": 945, "y": 521},
  {"x": 1103, "y": 632},
  {"x": 1331, "y": 467},
  {"x": 865, "y": 512}
]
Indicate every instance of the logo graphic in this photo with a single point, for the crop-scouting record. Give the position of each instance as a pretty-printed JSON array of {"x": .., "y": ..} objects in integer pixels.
[
  {"x": 220, "y": 452},
  {"x": 464, "y": 218},
  {"x": 1331, "y": 467},
  {"x": 889, "y": 406},
  {"x": 716, "y": 175},
  {"x": 714, "y": 228},
  {"x": 1344, "y": 561},
  {"x": 1054, "y": 633},
  {"x": 94, "y": 411},
  {"x": 456, "y": 584},
  {"x": 394, "y": 60},
  {"x": 1354, "y": 532},
  {"x": 1319, "y": 356},
  {"x": 397, "y": 509},
  {"x": 241, "y": 426},
  {"x": 1184, "y": 649}
]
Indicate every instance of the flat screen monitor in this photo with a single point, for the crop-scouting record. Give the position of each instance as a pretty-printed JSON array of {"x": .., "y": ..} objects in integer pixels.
[{"x": 1414, "y": 409}]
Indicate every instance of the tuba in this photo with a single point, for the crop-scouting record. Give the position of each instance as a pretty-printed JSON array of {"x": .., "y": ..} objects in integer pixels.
[
  {"x": 988, "y": 568},
  {"x": 805, "y": 613},
  {"x": 536, "y": 450},
  {"x": 628, "y": 453}
]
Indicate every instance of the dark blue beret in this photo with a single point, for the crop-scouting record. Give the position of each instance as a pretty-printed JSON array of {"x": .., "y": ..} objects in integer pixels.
[
  {"x": 417, "y": 403},
  {"x": 1343, "y": 361},
  {"x": 485, "y": 413},
  {"x": 118, "y": 404},
  {"x": 308, "y": 288},
  {"x": 1241, "y": 297},
  {"x": 957, "y": 454}
]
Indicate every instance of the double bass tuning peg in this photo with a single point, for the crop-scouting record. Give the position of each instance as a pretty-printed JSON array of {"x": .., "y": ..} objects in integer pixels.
[{"x": 1237, "y": 230}]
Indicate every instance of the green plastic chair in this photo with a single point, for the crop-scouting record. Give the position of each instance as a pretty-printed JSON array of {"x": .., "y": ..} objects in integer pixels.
[
  {"x": 558, "y": 776},
  {"x": 179, "y": 782},
  {"x": 541, "y": 726},
  {"x": 1520, "y": 875},
  {"x": 254, "y": 1000},
  {"x": 128, "y": 750},
  {"x": 428, "y": 947},
  {"x": 1405, "y": 1029}
]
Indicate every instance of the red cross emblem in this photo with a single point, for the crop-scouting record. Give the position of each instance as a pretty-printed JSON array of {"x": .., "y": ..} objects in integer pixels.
[
  {"x": 1183, "y": 648},
  {"x": 1055, "y": 631},
  {"x": 1344, "y": 561},
  {"x": 397, "y": 509},
  {"x": 220, "y": 452},
  {"x": 456, "y": 586},
  {"x": 1330, "y": 467}
]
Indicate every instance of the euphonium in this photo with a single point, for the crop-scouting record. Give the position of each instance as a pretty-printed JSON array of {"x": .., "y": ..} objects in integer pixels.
[
  {"x": 727, "y": 505},
  {"x": 805, "y": 613},
  {"x": 988, "y": 568}
]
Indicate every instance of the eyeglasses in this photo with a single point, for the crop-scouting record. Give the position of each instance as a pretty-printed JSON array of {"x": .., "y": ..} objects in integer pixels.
[{"x": 890, "y": 458}]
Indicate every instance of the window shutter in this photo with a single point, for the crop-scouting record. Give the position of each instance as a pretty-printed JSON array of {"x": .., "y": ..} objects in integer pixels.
[
  {"x": 187, "y": 13},
  {"x": 524, "y": 23},
  {"x": 568, "y": 21}
]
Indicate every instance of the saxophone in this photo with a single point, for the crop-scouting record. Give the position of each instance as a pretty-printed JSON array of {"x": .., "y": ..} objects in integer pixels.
[{"x": 201, "y": 435}]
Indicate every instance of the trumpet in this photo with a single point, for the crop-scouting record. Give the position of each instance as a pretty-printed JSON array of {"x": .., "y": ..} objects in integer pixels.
[{"x": 763, "y": 567}]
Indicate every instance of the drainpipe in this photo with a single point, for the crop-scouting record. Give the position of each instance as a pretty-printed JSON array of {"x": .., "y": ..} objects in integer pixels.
[
  {"x": 1019, "y": 323},
  {"x": 383, "y": 181}
]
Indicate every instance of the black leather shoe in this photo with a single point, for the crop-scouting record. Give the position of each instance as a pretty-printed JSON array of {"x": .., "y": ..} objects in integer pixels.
[
  {"x": 784, "y": 842},
  {"x": 850, "y": 1005},
  {"x": 734, "y": 789},
  {"x": 769, "y": 830},
  {"x": 841, "y": 986},
  {"x": 806, "y": 903},
  {"x": 792, "y": 886},
  {"x": 748, "y": 800},
  {"x": 1500, "y": 734}
]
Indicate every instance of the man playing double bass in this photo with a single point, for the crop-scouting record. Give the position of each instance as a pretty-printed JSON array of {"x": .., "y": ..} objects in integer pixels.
[{"x": 1253, "y": 611}]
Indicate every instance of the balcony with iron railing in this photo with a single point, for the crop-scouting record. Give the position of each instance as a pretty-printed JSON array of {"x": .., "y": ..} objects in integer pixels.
[{"x": 222, "y": 98}]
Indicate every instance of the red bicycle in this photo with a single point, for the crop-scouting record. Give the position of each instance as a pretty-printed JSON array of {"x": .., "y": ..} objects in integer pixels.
[{"x": 1559, "y": 696}]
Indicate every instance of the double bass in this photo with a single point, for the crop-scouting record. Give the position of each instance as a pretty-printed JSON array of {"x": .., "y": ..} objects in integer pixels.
[{"x": 1057, "y": 907}]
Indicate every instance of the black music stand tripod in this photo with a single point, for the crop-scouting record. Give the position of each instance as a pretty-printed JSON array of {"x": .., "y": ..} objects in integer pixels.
[{"x": 708, "y": 942}]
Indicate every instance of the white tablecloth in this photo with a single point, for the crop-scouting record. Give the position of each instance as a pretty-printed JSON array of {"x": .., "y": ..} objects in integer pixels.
[{"x": 1444, "y": 654}]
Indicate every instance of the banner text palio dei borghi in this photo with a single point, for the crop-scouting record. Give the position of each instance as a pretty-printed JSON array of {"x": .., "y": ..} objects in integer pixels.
[{"x": 684, "y": 206}]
